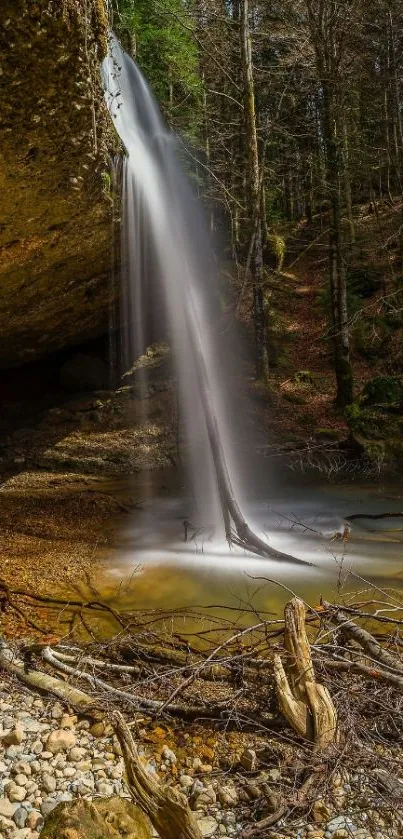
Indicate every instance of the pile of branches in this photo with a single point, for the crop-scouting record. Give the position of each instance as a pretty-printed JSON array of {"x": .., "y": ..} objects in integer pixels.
[{"x": 326, "y": 681}]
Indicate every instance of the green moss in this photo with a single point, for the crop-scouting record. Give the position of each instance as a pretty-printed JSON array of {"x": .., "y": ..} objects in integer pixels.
[{"x": 383, "y": 390}]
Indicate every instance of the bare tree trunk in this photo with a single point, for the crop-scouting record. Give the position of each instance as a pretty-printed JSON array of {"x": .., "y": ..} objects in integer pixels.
[{"x": 253, "y": 195}]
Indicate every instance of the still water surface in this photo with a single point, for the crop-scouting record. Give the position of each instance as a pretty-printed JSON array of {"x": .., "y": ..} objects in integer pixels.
[{"x": 153, "y": 567}]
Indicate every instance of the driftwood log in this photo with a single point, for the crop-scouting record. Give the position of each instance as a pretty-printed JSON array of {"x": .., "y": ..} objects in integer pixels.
[{"x": 307, "y": 705}]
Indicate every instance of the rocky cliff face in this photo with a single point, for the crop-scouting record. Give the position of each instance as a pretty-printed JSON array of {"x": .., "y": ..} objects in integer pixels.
[{"x": 55, "y": 208}]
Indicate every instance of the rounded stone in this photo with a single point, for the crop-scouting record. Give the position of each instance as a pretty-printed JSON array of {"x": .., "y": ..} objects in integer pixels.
[
  {"x": 20, "y": 817},
  {"x": 15, "y": 793},
  {"x": 60, "y": 741},
  {"x": 21, "y": 780},
  {"x": 48, "y": 782}
]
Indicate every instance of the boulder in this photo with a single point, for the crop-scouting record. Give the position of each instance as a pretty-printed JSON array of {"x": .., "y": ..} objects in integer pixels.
[{"x": 107, "y": 819}]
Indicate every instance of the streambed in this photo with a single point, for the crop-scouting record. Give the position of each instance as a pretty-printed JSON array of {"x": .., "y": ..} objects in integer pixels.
[{"x": 153, "y": 567}]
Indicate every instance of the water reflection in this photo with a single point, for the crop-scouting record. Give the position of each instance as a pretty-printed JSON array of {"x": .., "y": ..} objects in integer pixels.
[{"x": 153, "y": 567}]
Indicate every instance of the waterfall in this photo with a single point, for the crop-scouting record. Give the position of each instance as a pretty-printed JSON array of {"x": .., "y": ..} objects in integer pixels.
[{"x": 165, "y": 246}]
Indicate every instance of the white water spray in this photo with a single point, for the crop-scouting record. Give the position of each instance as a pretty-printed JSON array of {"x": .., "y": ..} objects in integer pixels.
[{"x": 164, "y": 242}]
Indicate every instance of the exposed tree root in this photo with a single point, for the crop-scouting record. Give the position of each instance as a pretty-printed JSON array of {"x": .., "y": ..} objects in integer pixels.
[
  {"x": 306, "y": 704},
  {"x": 167, "y": 809}
]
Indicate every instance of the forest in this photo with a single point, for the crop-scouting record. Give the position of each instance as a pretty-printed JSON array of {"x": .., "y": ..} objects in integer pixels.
[
  {"x": 201, "y": 388},
  {"x": 291, "y": 113}
]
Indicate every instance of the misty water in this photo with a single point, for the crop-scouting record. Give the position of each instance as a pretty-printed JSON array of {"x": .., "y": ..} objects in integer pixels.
[
  {"x": 169, "y": 276},
  {"x": 152, "y": 567}
]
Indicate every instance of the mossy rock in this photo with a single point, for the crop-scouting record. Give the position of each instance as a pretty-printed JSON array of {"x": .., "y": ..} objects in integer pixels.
[
  {"x": 372, "y": 337},
  {"x": 304, "y": 377},
  {"x": 373, "y": 450},
  {"x": 108, "y": 818},
  {"x": 383, "y": 390},
  {"x": 372, "y": 423},
  {"x": 363, "y": 281}
]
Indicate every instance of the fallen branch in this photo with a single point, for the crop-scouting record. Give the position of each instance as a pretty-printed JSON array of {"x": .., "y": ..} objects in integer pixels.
[
  {"x": 364, "y": 638},
  {"x": 138, "y": 702},
  {"x": 77, "y": 699}
]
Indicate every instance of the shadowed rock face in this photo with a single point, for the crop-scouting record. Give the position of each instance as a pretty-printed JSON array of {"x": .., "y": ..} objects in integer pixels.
[{"x": 55, "y": 210}]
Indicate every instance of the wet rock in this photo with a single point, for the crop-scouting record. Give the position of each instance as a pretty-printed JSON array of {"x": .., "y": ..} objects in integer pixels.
[{"x": 84, "y": 373}]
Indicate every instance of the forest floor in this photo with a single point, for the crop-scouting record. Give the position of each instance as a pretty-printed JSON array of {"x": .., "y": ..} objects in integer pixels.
[{"x": 64, "y": 491}]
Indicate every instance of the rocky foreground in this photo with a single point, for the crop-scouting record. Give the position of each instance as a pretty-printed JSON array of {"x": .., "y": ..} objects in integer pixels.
[{"x": 49, "y": 756}]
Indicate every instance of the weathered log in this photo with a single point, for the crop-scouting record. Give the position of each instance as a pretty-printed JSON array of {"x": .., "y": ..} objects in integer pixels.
[
  {"x": 167, "y": 809},
  {"x": 307, "y": 705},
  {"x": 364, "y": 638},
  {"x": 77, "y": 699}
]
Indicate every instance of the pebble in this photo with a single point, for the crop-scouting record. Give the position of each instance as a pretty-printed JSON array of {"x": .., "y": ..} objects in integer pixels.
[
  {"x": 227, "y": 796},
  {"x": 104, "y": 789},
  {"x": 60, "y": 740},
  {"x": 34, "y": 820},
  {"x": 22, "y": 767},
  {"x": 48, "y": 782},
  {"x": 168, "y": 755},
  {"x": 57, "y": 711},
  {"x": 14, "y": 737},
  {"x": 21, "y": 780},
  {"x": 68, "y": 721},
  {"x": 14, "y": 792},
  {"x": 76, "y": 754},
  {"x": 7, "y": 809},
  {"x": 207, "y": 826},
  {"x": 186, "y": 781},
  {"x": 20, "y": 816}
]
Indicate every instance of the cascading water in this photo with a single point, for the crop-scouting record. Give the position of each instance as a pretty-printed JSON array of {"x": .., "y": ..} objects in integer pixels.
[{"x": 164, "y": 244}]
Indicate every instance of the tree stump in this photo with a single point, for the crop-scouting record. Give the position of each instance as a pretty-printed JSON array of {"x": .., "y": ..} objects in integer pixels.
[{"x": 307, "y": 705}]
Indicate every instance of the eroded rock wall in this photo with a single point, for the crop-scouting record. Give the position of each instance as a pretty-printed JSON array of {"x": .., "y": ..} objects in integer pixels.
[{"x": 55, "y": 207}]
